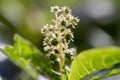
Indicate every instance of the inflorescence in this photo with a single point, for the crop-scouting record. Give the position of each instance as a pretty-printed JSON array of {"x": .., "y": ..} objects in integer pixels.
[{"x": 58, "y": 34}]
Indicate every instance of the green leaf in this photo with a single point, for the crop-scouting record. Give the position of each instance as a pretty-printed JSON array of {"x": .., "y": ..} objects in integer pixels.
[
  {"x": 95, "y": 60},
  {"x": 6, "y": 22},
  {"x": 28, "y": 57}
]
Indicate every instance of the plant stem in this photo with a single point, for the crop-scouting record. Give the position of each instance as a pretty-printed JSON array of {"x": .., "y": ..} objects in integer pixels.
[
  {"x": 61, "y": 56},
  {"x": 61, "y": 64}
]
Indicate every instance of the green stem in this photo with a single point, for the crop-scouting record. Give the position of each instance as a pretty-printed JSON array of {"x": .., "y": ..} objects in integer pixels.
[{"x": 61, "y": 64}]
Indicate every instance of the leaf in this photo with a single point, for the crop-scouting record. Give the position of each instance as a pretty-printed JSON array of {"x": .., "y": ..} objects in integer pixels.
[
  {"x": 6, "y": 22},
  {"x": 28, "y": 57},
  {"x": 95, "y": 60}
]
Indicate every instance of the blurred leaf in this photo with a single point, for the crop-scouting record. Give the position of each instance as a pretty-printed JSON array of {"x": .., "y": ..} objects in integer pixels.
[
  {"x": 6, "y": 22},
  {"x": 94, "y": 60},
  {"x": 28, "y": 57}
]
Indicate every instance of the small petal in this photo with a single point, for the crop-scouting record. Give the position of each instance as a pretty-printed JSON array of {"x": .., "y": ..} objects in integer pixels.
[{"x": 46, "y": 48}]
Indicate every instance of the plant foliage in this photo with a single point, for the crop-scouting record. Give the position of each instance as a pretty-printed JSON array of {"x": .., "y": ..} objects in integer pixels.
[
  {"x": 28, "y": 57},
  {"x": 84, "y": 66},
  {"x": 94, "y": 60}
]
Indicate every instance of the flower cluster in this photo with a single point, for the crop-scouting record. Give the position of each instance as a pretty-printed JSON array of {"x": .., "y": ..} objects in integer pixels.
[{"x": 58, "y": 34}]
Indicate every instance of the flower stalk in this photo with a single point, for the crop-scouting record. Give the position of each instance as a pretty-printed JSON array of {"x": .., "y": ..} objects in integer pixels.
[{"x": 58, "y": 36}]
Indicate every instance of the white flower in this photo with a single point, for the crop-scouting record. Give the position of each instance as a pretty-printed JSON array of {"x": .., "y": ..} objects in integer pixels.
[
  {"x": 52, "y": 35},
  {"x": 70, "y": 18},
  {"x": 66, "y": 9},
  {"x": 58, "y": 34},
  {"x": 55, "y": 9},
  {"x": 46, "y": 48},
  {"x": 76, "y": 20},
  {"x": 73, "y": 51},
  {"x": 53, "y": 22},
  {"x": 44, "y": 29}
]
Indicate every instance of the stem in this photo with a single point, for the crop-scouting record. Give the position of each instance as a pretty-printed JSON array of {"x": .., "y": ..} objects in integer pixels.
[
  {"x": 61, "y": 64},
  {"x": 61, "y": 57}
]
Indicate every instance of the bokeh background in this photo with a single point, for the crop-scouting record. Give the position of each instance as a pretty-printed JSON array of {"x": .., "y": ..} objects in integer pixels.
[{"x": 99, "y": 25}]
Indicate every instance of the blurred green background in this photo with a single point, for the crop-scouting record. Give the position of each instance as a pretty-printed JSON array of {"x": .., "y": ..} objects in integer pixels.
[{"x": 99, "y": 21}]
